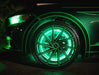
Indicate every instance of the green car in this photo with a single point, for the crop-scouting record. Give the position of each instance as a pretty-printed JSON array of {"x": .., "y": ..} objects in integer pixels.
[{"x": 54, "y": 34}]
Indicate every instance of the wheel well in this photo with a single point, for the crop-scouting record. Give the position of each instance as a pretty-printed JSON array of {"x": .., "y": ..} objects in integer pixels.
[{"x": 78, "y": 26}]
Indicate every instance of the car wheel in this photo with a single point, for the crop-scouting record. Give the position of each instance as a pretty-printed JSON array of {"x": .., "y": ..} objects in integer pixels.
[{"x": 55, "y": 44}]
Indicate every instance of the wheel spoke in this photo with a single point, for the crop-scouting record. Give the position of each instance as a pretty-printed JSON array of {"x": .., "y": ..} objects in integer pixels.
[
  {"x": 53, "y": 34},
  {"x": 49, "y": 50},
  {"x": 60, "y": 34},
  {"x": 52, "y": 55},
  {"x": 65, "y": 54},
  {"x": 71, "y": 50},
  {"x": 58, "y": 57},
  {"x": 45, "y": 45},
  {"x": 47, "y": 39}
]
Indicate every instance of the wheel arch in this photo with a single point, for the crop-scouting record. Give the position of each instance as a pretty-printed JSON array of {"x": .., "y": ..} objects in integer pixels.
[{"x": 79, "y": 25}]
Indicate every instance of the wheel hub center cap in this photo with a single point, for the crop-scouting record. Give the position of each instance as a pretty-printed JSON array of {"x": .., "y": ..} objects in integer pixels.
[{"x": 55, "y": 45}]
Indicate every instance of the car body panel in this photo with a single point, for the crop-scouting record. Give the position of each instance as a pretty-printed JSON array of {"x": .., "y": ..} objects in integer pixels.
[{"x": 88, "y": 16}]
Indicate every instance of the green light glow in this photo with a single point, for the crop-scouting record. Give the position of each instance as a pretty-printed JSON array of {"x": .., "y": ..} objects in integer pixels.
[
  {"x": 8, "y": 47},
  {"x": 16, "y": 19},
  {"x": 68, "y": 51},
  {"x": 87, "y": 11},
  {"x": 8, "y": 41},
  {"x": 54, "y": 58},
  {"x": 69, "y": 43},
  {"x": 31, "y": 58},
  {"x": 62, "y": 57},
  {"x": 8, "y": 38},
  {"x": 48, "y": 50},
  {"x": 96, "y": 44}
]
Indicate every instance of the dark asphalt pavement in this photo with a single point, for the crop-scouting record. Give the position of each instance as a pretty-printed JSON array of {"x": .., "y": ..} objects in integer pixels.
[{"x": 11, "y": 65}]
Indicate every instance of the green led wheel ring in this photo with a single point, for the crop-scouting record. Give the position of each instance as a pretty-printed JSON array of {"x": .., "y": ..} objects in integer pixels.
[{"x": 55, "y": 45}]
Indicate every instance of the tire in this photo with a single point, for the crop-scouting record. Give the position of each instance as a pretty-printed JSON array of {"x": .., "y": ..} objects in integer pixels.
[{"x": 55, "y": 44}]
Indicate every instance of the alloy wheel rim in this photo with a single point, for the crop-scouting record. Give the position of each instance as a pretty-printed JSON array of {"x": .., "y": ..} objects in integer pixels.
[{"x": 55, "y": 45}]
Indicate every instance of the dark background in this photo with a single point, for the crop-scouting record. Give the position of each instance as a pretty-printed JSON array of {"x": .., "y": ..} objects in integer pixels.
[{"x": 8, "y": 7}]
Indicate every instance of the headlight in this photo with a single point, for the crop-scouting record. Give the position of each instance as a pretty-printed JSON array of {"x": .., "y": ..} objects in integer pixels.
[{"x": 17, "y": 19}]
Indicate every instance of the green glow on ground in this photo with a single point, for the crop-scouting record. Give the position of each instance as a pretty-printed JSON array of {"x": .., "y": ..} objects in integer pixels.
[
  {"x": 31, "y": 58},
  {"x": 2, "y": 67},
  {"x": 56, "y": 73},
  {"x": 1, "y": 50}
]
